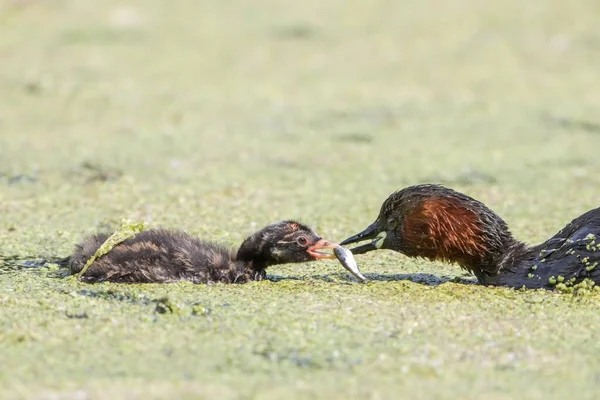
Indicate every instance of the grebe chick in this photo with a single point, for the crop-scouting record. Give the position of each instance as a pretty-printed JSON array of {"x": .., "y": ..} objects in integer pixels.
[
  {"x": 161, "y": 256},
  {"x": 440, "y": 224}
]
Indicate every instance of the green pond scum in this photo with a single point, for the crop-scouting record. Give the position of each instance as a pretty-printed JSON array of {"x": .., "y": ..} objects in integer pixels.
[
  {"x": 221, "y": 117},
  {"x": 127, "y": 230}
]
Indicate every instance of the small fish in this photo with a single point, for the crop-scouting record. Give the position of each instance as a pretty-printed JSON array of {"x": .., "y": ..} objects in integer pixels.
[{"x": 347, "y": 260}]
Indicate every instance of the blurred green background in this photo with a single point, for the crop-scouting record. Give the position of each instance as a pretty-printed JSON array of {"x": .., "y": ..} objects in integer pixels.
[{"x": 219, "y": 117}]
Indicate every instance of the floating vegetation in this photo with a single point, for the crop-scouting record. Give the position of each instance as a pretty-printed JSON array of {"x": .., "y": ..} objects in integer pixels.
[
  {"x": 127, "y": 230},
  {"x": 584, "y": 287}
]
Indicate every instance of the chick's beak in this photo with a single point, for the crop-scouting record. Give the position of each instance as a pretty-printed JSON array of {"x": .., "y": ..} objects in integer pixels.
[
  {"x": 373, "y": 231},
  {"x": 322, "y": 244}
]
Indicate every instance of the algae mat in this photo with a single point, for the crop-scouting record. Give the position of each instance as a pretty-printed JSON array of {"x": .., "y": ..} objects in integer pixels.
[{"x": 221, "y": 117}]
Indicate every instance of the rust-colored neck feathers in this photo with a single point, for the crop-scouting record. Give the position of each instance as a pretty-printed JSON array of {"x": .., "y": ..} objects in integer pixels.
[{"x": 443, "y": 229}]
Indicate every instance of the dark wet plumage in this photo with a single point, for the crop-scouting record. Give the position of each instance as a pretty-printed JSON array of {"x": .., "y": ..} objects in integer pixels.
[
  {"x": 160, "y": 256},
  {"x": 438, "y": 223}
]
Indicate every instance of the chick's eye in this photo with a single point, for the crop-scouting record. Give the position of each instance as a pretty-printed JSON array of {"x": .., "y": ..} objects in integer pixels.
[
  {"x": 392, "y": 223},
  {"x": 302, "y": 241}
]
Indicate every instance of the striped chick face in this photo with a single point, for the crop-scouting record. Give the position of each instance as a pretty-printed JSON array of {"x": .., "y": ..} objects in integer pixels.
[{"x": 290, "y": 241}]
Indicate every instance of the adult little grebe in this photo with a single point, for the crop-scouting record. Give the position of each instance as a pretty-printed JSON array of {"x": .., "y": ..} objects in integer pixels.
[
  {"x": 161, "y": 256},
  {"x": 438, "y": 223}
]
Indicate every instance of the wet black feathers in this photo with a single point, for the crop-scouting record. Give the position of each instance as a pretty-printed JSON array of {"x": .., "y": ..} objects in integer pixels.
[
  {"x": 160, "y": 256},
  {"x": 573, "y": 254}
]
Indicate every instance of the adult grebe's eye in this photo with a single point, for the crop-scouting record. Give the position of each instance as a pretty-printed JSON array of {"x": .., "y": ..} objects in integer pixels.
[
  {"x": 302, "y": 241},
  {"x": 392, "y": 223}
]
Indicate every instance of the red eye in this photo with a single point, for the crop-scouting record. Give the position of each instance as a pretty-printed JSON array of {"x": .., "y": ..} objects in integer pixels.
[{"x": 302, "y": 241}]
